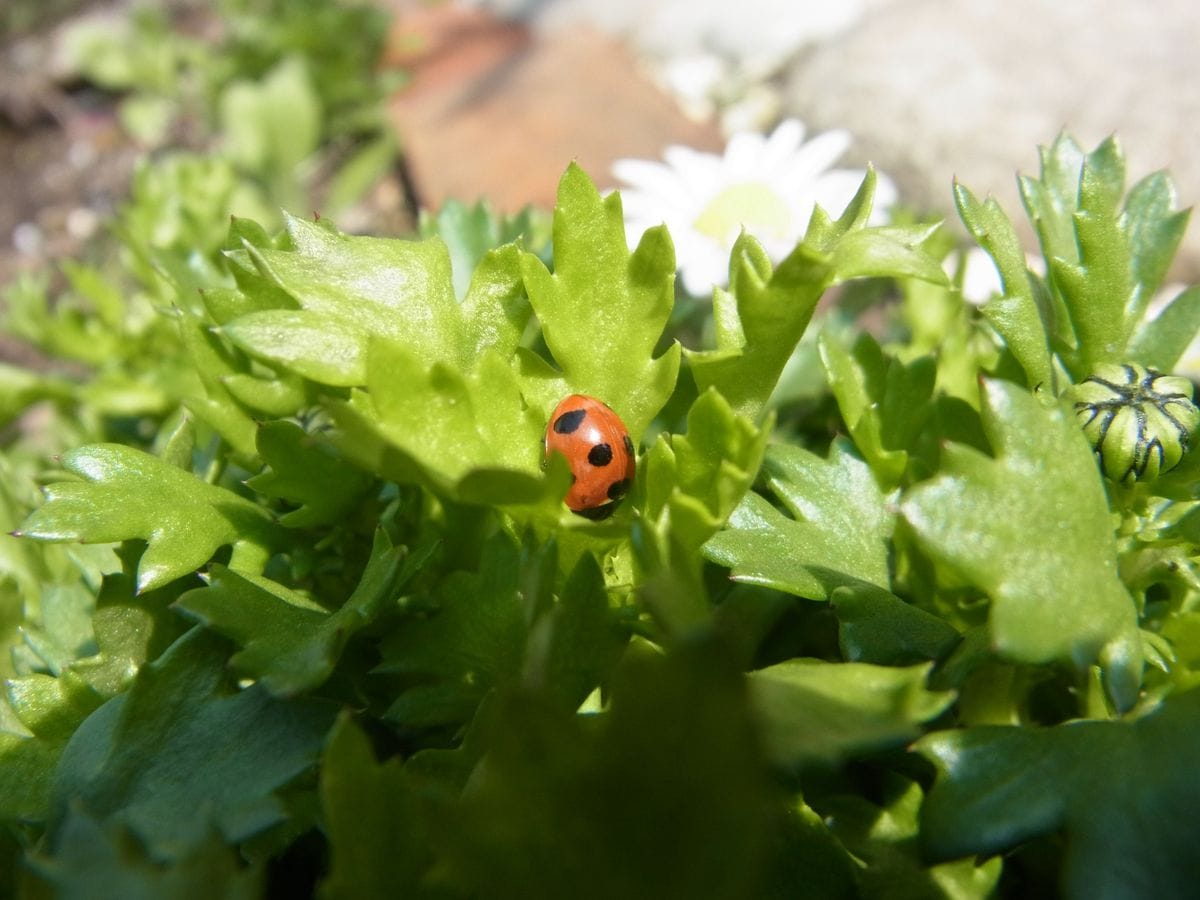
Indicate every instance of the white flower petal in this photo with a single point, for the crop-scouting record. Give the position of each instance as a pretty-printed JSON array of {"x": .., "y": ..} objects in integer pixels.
[
  {"x": 743, "y": 156},
  {"x": 773, "y": 181},
  {"x": 784, "y": 142},
  {"x": 816, "y": 156}
]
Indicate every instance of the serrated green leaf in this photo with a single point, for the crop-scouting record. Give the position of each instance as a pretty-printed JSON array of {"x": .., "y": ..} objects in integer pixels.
[
  {"x": 447, "y": 423},
  {"x": 1162, "y": 341},
  {"x": 1031, "y": 528},
  {"x": 882, "y": 401},
  {"x": 884, "y": 839},
  {"x": 324, "y": 348},
  {"x": 665, "y": 795},
  {"x": 91, "y": 862},
  {"x": 475, "y": 640},
  {"x": 1052, "y": 198},
  {"x": 692, "y": 483},
  {"x": 396, "y": 290},
  {"x": 177, "y": 754},
  {"x": 471, "y": 232},
  {"x": 878, "y": 627},
  {"x": 306, "y": 470},
  {"x": 764, "y": 314},
  {"x": 1016, "y": 313},
  {"x": 217, "y": 408},
  {"x": 1154, "y": 229},
  {"x": 288, "y": 642},
  {"x": 576, "y": 643},
  {"x": 126, "y": 494},
  {"x": 373, "y": 819},
  {"x": 815, "y": 711},
  {"x": 603, "y": 309},
  {"x": 773, "y": 308},
  {"x": 696, "y": 479},
  {"x": 838, "y": 534},
  {"x": 1123, "y": 792}
]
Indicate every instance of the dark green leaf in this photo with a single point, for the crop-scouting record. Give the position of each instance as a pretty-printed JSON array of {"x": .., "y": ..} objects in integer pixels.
[
  {"x": 92, "y": 862},
  {"x": 289, "y": 642},
  {"x": 373, "y": 820},
  {"x": 178, "y": 755},
  {"x": 1124, "y": 792},
  {"x": 663, "y": 796},
  {"x": 305, "y": 470},
  {"x": 473, "y": 641}
]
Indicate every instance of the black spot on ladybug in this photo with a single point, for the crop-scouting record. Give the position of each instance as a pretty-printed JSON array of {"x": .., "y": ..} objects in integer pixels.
[
  {"x": 596, "y": 513},
  {"x": 569, "y": 421},
  {"x": 572, "y": 478},
  {"x": 600, "y": 455},
  {"x": 617, "y": 489},
  {"x": 628, "y": 445}
]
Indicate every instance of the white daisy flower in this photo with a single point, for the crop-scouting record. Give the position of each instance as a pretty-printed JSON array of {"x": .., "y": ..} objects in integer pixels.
[{"x": 766, "y": 185}]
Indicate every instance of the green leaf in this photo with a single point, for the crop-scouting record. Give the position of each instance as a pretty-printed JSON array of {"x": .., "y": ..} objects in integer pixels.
[
  {"x": 575, "y": 644},
  {"x": 1162, "y": 341},
  {"x": 696, "y": 479},
  {"x": 382, "y": 288},
  {"x": 177, "y": 755},
  {"x": 837, "y": 534},
  {"x": 373, "y": 820},
  {"x": 324, "y": 348},
  {"x": 665, "y": 795},
  {"x": 472, "y": 642},
  {"x": 1154, "y": 229},
  {"x": 1031, "y": 528},
  {"x": 878, "y": 627},
  {"x": 762, "y": 317},
  {"x": 1098, "y": 287},
  {"x": 884, "y": 839},
  {"x": 275, "y": 123},
  {"x": 884, "y": 402},
  {"x": 127, "y": 494},
  {"x": 759, "y": 322},
  {"x": 692, "y": 483},
  {"x": 1016, "y": 313},
  {"x": 603, "y": 309},
  {"x": 91, "y": 862},
  {"x": 468, "y": 433},
  {"x": 305, "y": 470},
  {"x": 471, "y": 232},
  {"x": 288, "y": 642},
  {"x": 1052, "y": 199},
  {"x": 1124, "y": 793},
  {"x": 814, "y": 711}
]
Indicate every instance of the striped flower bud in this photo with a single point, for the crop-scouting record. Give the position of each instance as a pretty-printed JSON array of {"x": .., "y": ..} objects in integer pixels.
[{"x": 1139, "y": 421}]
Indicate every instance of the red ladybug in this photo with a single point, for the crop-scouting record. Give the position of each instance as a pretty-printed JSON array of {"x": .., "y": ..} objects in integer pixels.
[{"x": 596, "y": 443}]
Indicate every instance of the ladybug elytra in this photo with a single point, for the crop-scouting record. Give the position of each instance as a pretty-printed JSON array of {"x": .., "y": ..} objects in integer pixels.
[{"x": 597, "y": 446}]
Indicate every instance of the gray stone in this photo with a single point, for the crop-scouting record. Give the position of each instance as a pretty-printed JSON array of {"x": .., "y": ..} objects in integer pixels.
[{"x": 933, "y": 89}]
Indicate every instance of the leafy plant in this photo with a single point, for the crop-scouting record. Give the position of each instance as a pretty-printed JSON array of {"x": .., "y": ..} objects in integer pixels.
[{"x": 326, "y": 626}]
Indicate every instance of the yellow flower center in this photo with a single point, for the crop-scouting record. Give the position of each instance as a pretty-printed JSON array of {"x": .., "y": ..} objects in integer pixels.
[{"x": 751, "y": 205}]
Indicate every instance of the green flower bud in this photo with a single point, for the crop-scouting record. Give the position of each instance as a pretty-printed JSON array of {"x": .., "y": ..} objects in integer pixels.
[{"x": 1139, "y": 421}]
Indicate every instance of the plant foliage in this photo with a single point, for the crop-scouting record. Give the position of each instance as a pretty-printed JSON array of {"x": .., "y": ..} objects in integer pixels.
[{"x": 299, "y": 609}]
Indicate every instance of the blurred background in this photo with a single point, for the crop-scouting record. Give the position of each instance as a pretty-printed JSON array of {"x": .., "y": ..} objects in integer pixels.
[{"x": 369, "y": 112}]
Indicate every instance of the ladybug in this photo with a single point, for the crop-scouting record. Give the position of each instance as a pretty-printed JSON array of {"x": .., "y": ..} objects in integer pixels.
[{"x": 596, "y": 444}]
